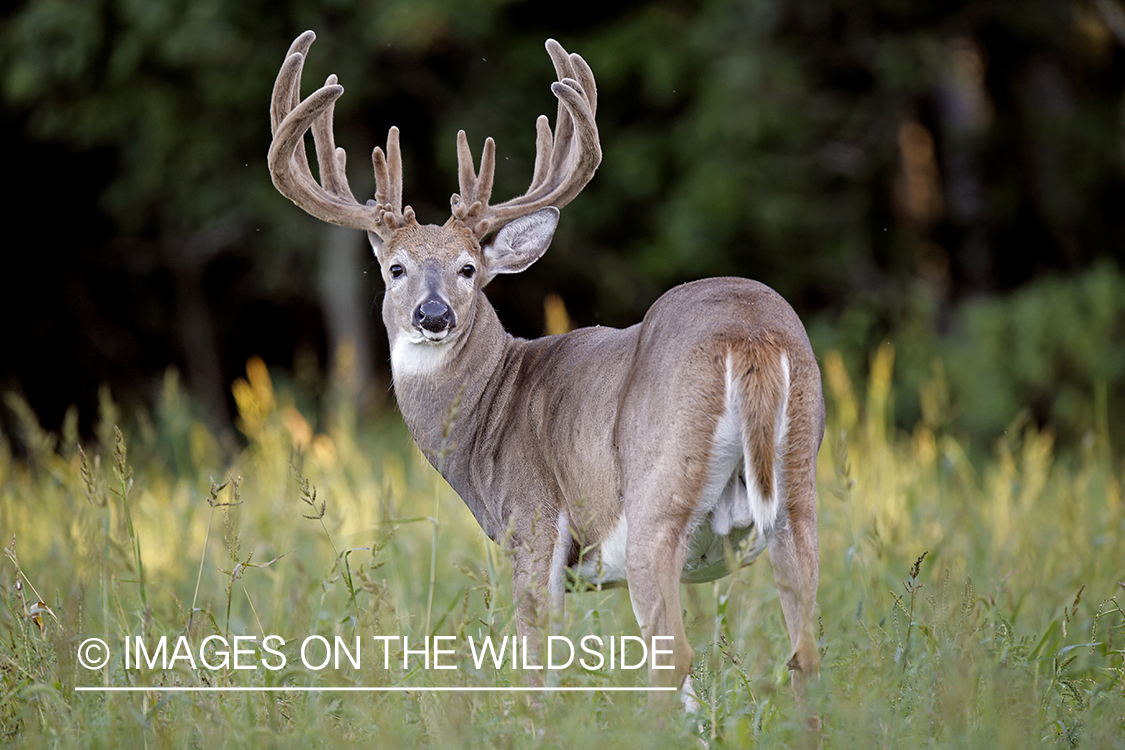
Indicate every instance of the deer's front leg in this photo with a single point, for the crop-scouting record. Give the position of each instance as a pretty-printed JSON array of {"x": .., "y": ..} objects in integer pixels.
[{"x": 537, "y": 602}]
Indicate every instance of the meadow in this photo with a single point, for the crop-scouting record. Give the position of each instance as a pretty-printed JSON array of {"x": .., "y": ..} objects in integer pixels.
[{"x": 970, "y": 596}]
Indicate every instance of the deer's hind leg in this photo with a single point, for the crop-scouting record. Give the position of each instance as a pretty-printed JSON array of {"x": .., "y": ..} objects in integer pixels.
[
  {"x": 793, "y": 549},
  {"x": 655, "y": 549},
  {"x": 794, "y": 557},
  {"x": 662, "y": 493}
]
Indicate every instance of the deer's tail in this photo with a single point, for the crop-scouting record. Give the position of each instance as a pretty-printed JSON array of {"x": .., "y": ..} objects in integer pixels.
[{"x": 765, "y": 382}]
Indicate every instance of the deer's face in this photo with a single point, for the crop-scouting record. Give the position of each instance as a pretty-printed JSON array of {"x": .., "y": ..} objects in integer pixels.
[{"x": 433, "y": 273}]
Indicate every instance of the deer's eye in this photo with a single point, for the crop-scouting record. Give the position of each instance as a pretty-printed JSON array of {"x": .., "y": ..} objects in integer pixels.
[
  {"x": 396, "y": 271},
  {"x": 468, "y": 270}
]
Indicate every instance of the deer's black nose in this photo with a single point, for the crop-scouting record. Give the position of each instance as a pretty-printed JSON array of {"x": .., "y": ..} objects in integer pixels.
[{"x": 434, "y": 315}]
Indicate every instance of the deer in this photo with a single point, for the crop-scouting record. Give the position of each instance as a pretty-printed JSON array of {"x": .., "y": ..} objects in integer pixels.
[{"x": 675, "y": 450}]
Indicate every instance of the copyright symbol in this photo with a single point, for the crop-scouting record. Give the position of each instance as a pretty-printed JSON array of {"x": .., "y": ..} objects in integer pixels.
[{"x": 93, "y": 653}]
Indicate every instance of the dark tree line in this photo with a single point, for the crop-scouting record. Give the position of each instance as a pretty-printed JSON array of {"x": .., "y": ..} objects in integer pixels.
[{"x": 857, "y": 156}]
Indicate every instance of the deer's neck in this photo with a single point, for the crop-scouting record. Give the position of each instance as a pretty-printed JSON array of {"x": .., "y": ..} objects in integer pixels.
[{"x": 446, "y": 394}]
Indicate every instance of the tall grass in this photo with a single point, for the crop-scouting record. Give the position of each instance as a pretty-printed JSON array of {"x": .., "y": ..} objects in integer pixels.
[{"x": 963, "y": 603}]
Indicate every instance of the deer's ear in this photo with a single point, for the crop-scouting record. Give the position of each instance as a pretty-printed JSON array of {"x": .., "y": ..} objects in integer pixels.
[
  {"x": 376, "y": 245},
  {"x": 521, "y": 242}
]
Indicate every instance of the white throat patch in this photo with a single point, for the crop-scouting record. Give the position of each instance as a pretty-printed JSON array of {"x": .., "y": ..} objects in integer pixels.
[{"x": 412, "y": 358}]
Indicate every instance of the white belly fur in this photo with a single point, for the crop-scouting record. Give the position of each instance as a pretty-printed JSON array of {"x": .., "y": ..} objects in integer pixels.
[{"x": 710, "y": 555}]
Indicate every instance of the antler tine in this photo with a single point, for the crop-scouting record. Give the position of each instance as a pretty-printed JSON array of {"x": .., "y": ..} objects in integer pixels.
[
  {"x": 286, "y": 95},
  {"x": 287, "y": 87},
  {"x": 332, "y": 160},
  {"x": 466, "y": 172},
  {"x": 585, "y": 77},
  {"x": 574, "y": 68},
  {"x": 564, "y": 124},
  {"x": 573, "y": 71},
  {"x": 388, "y": 187},
  {"x": 331, "y": 199},
  {"x": 475, "y": 188},
  {"x": 544, "y": 145},
  {"x": 564, "y": 160}
]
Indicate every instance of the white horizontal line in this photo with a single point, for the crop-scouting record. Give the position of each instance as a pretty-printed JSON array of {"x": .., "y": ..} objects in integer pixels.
[{"x": 354, "y": 689}]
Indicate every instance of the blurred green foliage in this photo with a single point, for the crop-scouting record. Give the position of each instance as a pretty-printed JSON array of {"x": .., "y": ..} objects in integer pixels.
[
  {"x": 1054, "y": 350},
  {"x": 886, "y": 166},
  {"x": 1050, "y": 353}
]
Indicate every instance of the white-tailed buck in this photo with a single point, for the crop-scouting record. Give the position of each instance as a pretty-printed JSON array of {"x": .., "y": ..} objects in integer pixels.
[{"x": 670, "y": 451}]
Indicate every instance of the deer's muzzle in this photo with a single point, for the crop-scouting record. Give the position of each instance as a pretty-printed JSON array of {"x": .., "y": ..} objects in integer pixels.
[{"x": 434, "y": 316}]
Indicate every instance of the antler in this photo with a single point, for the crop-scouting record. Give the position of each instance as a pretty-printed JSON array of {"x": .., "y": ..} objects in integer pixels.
[
  {"x": 564, "y": 161},
  {"x": 330, "y": 200}
]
